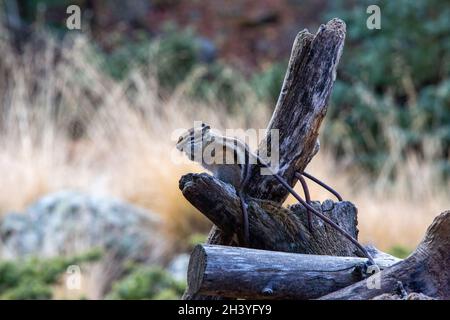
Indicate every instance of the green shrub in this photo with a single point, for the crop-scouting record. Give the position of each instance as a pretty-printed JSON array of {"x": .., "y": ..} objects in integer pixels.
[
  {"x": 267, "y": 83},
  {"x": 125, "y": 57},
  {"x": 393, "y": 93},
  {"x": 222, "y": 86},
  {"x": 175, "y": 59},
  {"x": 146, "y": 282},
  {"x": 32, "y": 278},
  {"x": 197, "y": 238},
  {"x": 31, "y": 290},
  {"x": 174, "y": 56},
  {"x": 399, "y": 251}
]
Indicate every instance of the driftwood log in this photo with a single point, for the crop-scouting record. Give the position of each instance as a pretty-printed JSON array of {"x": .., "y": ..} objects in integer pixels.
[
  {"x": 259, "y": 274},
  {"x": 299, "y": 112}
]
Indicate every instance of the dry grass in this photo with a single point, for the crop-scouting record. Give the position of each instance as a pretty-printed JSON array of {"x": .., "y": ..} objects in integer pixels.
[{"x": 127, "y": 147}]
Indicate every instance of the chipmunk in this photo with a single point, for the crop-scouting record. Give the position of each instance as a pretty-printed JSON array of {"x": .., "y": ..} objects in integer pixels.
[
  {"x": 227, "y": 158},
  {"x": 230, "y": 160}
]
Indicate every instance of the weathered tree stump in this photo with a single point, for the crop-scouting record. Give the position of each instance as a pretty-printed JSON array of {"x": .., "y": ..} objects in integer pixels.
[
  {"x": 271, "y": 226},
  {"x": 299, "y": 112},
  {"x": 217, "y": 272}
]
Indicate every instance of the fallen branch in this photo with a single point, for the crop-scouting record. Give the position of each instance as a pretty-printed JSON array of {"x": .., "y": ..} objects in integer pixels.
[{"x": 258, "y": 274}]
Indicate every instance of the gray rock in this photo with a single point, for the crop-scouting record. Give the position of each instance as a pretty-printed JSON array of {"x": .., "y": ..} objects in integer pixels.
[{"x": 69, "y": 223}]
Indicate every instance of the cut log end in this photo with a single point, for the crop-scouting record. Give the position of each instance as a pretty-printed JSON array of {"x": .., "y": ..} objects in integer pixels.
[{"x": 196, "y": 269}]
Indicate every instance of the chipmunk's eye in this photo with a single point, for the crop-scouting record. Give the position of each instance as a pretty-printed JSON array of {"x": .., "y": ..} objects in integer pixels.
[{"x": 180, "y": 139}]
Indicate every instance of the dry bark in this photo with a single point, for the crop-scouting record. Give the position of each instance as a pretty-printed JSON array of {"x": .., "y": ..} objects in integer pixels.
[
  {"x": 299, "y": 112},
  {"x": 259, "y": 274},
  {"x": 271, "y": 226},
  {"x": 425, "y": 271}
]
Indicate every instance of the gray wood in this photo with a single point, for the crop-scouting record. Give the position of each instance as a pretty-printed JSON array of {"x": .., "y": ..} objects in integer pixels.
[
  {"x": 300, "y": 110},
  {"x": 258, "y": 274},
  {"x": 271, "y": 226},
  {"x": 301, "y": 106},
  {"x": 298, "y": 114},
  {"x": 426, "y": 271}
]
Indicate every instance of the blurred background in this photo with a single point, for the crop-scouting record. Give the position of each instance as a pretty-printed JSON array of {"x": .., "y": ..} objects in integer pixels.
[{"x": 89, "y": 200}]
